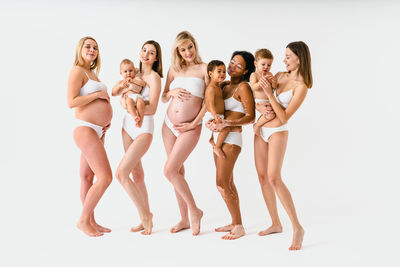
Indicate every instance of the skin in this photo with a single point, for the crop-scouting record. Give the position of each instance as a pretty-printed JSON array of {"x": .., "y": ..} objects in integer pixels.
[
  {"x": 130, "y": 85},
  {"x": 215, "y": 105},
  {"x": 94, "y": 108},
  {"x": 224, "y": 166},
  {"x": 135, "y": 149},
  {"x": 263, "y": 67},
  {"x": 185, "y": 111},
  {"x": 269, "y": 156}
]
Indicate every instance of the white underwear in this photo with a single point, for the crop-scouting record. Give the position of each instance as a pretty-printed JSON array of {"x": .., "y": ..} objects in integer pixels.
[
  {"x": 129, "y": 125},
  {"x": 234, "y": 138},
  {"x": 98, "y": 129},
  {"x": 135, "y": 96},
  {"x": 169, "y": 124},
  {"x": 209, "y": 116},
  {"x": 267, "y": 132}
]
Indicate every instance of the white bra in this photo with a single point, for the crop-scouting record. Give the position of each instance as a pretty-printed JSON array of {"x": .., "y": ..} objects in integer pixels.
[
  {"x": 233, "y": 104},
  {"x": 145, "y": 93},
  {"x": 284, "y": 98},
  {"x": 193, "y": 85},
  {"x": 92, "y": 86}
]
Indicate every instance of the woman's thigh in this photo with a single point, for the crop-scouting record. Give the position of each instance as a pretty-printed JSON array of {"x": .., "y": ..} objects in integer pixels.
[
  {"x": 224, "y": 166},
  {"x": 260, "y": 155},
  {"x": 276, "y": 152}
]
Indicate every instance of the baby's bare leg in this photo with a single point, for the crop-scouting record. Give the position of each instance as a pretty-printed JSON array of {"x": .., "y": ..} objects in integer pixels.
[
  {"x": 220, "y": 140},
  {"x": 140, "y": 110},
  {"x": 130, "y": 107},
  {"x": 211, "y": 140}
]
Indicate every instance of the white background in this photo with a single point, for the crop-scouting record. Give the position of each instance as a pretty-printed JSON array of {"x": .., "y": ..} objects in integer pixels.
[{"x": 341, "y": 163}]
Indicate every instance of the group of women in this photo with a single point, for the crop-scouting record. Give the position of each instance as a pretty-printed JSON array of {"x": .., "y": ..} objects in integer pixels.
[{"x": 185, "y": 89}]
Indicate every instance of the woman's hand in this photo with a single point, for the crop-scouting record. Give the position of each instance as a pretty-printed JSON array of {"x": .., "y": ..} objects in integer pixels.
[
  {"x": 105, "y": 128},
  {"x": 180, "y": 94},
  {"x": 103, "y": 95},
  {"x": 266, "y": 86},
  {"x": 184, "y": 127}
]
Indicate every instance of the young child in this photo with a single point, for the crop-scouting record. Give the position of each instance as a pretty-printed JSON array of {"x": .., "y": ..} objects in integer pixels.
[
  {"x": 263, "y": 61},
  {"x": 215, "y": 102},
  {"x": 130, "y": 87}
]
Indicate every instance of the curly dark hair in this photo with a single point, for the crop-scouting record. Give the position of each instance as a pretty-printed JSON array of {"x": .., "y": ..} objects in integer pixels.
[{"x": 249, "y": 59}]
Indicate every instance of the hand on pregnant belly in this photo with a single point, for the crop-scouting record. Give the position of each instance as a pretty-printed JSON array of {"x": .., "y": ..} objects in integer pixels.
[
  {"x": 180, "y": 93},
  {"x": 184, "y": 127}
]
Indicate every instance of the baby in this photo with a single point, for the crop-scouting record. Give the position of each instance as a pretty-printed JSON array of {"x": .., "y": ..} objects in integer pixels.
[
  {"x": 130, "y": 87},
  {"x": 215, "y": 102},
  {"x": 263, "y": 61}
]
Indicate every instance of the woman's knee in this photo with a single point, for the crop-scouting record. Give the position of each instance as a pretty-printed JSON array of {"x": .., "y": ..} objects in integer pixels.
[
  {"x": 274, "y": 178},
  {"x": 263, "y": 178},
  {"x": 87, "y": 177},
  {"x": 122, "y": 175},
  {"x": 170, "y": 172}
]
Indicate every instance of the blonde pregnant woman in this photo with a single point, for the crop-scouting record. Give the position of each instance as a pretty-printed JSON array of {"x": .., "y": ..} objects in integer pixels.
[
  {"x": 270, "y": 142},
  {"x": 93, "y": 113},
  {"x": 137, "y": 139},
  {"x": 185, "y": 85}
]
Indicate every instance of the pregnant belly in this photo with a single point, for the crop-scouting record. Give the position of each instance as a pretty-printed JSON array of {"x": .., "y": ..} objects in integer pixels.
[
  {"x": 185, "y": 111},
  {"x": 98, "y": 112}
]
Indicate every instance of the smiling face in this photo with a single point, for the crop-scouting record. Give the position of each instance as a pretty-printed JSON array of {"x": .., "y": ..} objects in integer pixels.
[
  {"x": 291, "y": 61},
  {"x": 148, "y": 54},
  {"x": 237, "y": 66},
  {"x": 89, "y": 50},
  {"x": 218, "y": 74},
  {"x": 263, "y": 65},
  {"x": 127, "y": 70},
  {"x": 187, "y": 51}
]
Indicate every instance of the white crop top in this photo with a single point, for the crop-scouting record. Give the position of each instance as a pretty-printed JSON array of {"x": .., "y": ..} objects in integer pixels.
[
  {"x": 233, "y": 105},
  {"x": 193, "y": 85},
  {"x": 92, "y": 86}
]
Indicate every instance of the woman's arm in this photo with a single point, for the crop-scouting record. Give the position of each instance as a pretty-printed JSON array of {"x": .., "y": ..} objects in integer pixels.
[
  {"x": 165, "y": 95},
  {"x": 75, "y": 81},
  {"x": 299, "y": 94},
  {"x": 154, "y": 94}
]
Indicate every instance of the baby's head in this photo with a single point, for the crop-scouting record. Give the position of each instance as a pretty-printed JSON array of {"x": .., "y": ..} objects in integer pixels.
[
  {"x": 263, "y": 60},
  {"x": 216, "y": 71},
  {"x": 127, "y": 69}
]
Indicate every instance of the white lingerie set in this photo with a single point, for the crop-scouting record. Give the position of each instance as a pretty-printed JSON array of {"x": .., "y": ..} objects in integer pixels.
[
  {"x": 194, "y": 86},
  {"x": 129, "y": 125},
  {"x": 283, "y": 99},
  {"x": 91, "y": 86},
  {"x": 234, "y": 138}
]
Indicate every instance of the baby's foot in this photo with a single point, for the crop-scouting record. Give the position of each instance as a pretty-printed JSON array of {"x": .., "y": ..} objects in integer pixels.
[
  {"x": 218, "y": 151},
  {"x": 182, "y": 225},
  {"x": 139, "y": 121},
  {"x": 271, "y": 230},
  {"x": 235, "y": 233}
]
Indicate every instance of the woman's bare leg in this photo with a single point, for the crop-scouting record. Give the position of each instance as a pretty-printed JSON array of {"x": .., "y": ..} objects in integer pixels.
[
  {"x": 181, "y": 149},
  {"x": 227, "y": 188},
  {"x": 131, "y": 159},
  {"x": 276, "y": 153},
  {"x": 87, "y": 177},
  {"x": 261, "y": 161},
  {"x": 93, "y": 150}
]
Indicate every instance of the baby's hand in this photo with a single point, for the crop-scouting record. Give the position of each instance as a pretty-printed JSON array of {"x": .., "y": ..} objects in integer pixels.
[{"x": 217, "y": 119}]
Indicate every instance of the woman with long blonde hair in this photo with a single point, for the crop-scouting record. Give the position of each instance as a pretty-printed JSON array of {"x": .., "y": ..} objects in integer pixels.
[
  {"x": 93, "y": 113},
  {"x": 185, "y": 87}
]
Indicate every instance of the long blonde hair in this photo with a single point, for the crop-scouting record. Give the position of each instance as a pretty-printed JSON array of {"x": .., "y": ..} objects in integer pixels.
[
  {"x": 177, "y": 61},
  {"x": 79, "y": 61}
]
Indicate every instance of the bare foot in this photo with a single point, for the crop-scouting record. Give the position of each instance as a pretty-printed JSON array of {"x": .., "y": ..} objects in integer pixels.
[
  {"x": 100, "y": 228},
  {"x": 226, "y": 228},
  {"x": 137, "y": 228},
  {"x": 271, "y": 230},
  {"x": 147, "y": 224},
  {"x": 88, "y": 229},
  {"x": 235, "y": 233},
  {"x": 297, "y": 239},
  {"x": 195, "y": 221},
  {"x": 218, "y": 151},
  {"x": 182, "y": 225}
]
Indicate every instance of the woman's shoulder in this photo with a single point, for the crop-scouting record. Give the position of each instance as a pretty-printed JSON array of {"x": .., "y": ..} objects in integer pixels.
[{"x": 78, "y": 71}]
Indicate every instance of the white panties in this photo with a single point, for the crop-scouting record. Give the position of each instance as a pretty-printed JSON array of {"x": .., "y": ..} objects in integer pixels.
[
  {"x": 267, "y": 132},
  {"x": 234, "y": 138},
  {"x": 129, "y": 125},
  {"x": 98, "y": 129}
]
